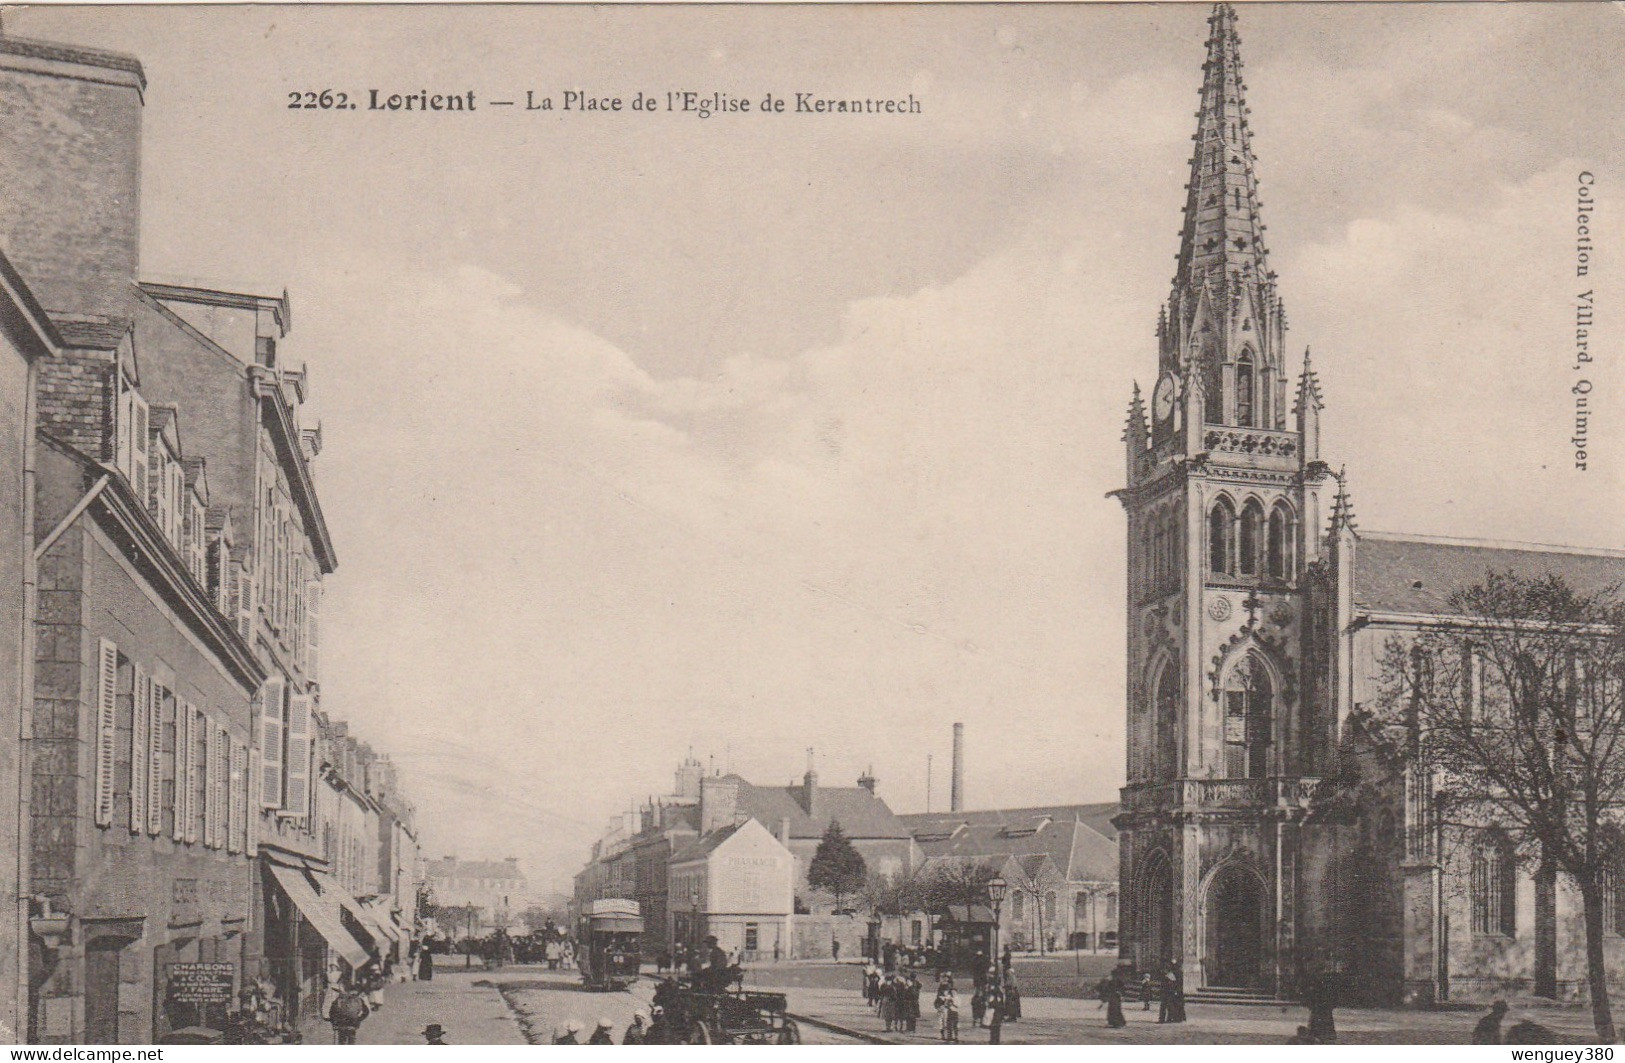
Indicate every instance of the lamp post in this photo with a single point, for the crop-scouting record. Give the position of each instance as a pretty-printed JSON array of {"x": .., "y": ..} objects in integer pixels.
[
  {"x": 693, "y": 926},
  {"x": 996, "y": 887}
]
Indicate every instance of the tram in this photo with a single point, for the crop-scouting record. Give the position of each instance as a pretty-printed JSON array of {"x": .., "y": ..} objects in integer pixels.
[{"x": 611, "y": 943}]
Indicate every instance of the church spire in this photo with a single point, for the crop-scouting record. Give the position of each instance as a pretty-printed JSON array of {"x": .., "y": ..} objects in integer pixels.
[{"x": 1223, "y": 233}]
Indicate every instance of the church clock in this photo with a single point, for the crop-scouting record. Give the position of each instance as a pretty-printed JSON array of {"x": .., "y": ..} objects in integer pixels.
[{"x": 1162, "y": 400}]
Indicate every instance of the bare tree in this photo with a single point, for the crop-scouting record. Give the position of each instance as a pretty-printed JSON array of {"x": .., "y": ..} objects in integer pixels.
[{"x": 1513, "y": 700}]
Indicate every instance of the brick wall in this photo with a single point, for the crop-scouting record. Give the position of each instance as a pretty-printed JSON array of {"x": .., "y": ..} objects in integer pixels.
[
  {"x": 70, "y": 142},
  {"x": 60, "y": 679},
  {"x": 75, "y": 401}
]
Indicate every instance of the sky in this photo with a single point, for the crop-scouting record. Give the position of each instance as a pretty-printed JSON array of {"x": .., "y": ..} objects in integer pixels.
[{"x": 647, "y": 433}]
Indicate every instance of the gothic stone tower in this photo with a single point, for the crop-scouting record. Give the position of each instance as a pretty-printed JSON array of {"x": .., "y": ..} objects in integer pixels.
[{"x": 1224, "y": 498}]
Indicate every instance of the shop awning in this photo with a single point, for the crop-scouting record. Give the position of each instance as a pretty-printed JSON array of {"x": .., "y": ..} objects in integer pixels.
[
  {"x": 333, "y": 891},
  {"x": 379, "y": 911},
  {"x": 323, "y": 913}
]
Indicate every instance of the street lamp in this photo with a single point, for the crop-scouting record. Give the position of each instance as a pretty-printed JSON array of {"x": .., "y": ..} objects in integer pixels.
[{"x": 996, "y": 887}]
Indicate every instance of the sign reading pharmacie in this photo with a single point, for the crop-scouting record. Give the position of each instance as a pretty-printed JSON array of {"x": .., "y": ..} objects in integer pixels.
[{"x": 201, "y": 983}]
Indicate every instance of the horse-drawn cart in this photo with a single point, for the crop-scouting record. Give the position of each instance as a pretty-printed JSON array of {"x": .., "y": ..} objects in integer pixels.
[{"x": 699, "y": 1013}]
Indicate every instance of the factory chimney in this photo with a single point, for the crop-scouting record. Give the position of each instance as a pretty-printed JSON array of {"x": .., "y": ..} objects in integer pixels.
[{"x": 956, "y": 792}]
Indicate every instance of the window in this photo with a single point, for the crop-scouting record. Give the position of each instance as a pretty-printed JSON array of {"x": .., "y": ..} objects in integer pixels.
[
  {"x": 1247, "y": 699},
  {"x": 916, "y": 932},
  {"x": 1049, "y": 907},
  {"x": 1279, "y": 549},
  {"x": 1251, "y": 538},
  {"x": 1494, "y": 886},
  {"x": 1244, "y": 390},
  {"x": 1165, "y": 725},
  {"x": 1111, "y": 907},
  {"x": 1018, "y": 907},
  {"x": 1221, "y": 530},
  {"x": 752, "y": 936},
  {"x": 1613, "y": 895}
]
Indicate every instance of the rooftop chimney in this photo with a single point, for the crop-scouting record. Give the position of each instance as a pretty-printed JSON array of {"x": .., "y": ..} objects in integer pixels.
[
  {"x": 867, "y": 780},
  {"x": 719, "y": 799},
  {"x": 809, "y": 788},
  {"x": 956, "y": 793}
]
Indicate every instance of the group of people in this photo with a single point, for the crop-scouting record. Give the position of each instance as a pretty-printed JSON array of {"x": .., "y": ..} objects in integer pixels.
[
  {"x": 895, "y": 995},
  {"x": 355, "y": 996},
  {"x": 643, "y": 1030},
  {"x": 1168, "y": 990}
]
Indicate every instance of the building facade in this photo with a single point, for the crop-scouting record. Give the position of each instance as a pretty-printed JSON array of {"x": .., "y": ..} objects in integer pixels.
[
  {"x": 736, "y": 884},
  {"x": 476, "y": 897},
  {"x": 1256, "y": 614}
]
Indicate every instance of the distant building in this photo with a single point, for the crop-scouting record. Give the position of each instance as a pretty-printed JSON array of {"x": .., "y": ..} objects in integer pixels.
[
  {"x": 736, "y": 884},
  {"x": 1060, "y": 863},
  {"x": 490, "y": 894}
]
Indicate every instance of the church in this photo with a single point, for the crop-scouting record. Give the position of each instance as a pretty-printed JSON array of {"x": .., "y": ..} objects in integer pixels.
[{"x": 1256, "y": 615}]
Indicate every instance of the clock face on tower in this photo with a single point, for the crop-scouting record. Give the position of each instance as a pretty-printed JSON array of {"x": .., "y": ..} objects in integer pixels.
[{"x": 1162, "y": 400}]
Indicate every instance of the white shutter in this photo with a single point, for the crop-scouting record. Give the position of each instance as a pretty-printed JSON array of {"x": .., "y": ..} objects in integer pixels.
[
  {"x": 222, "y": 791},
  {"x": 271, "y": 696},
  {"x": 182, "y": 769},
  {"x": 298, "y": 795},
  {"x": 251, "y": 790},
  {"x": 154, "y": 708},
  {"x": 211, "y": 759},
  {"x": 126, "y": 425},
  {"x": 138, "y": 446},
  {"x": 235, "y": 784},
  {"x": 313, "y": 621},
  {"x": 189, "y": 799},
  {"x": 106, "y": 730},
  {"x": 140, "y": 722},
  {"x": 245, "y": 604}
]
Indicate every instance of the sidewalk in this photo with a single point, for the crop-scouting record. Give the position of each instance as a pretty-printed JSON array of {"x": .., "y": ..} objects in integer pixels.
[
  {"x": 1055, "y": 1020},
  {"x": 472, "y": 1013}
]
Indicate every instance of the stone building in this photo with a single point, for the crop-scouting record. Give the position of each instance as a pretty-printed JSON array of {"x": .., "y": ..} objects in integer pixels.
[
  {"x": 169, "y": 833},
  {"x": 478, "y": 896},
  {"x": 737, "y": 884},
  {"x": 1255, "y": 610},
  {"x": 27, "y": 339}
]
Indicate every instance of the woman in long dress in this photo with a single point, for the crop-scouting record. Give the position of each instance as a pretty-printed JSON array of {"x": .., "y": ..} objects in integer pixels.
[{"x": 1113, "y": 993}]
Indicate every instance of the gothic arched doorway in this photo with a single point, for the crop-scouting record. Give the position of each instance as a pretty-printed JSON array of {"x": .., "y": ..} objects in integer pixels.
[
  {"x": 1155, "y": 944},
  {"x": 1234, "y": 946}
]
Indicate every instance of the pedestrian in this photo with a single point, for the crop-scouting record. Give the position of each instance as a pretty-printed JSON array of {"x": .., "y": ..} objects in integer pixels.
[
  {"x": 1488, "y": 1030},
  {"x": 425, "y": 964},
  {"x": 371, "y": 982},
  {"x": 347, "y": 1012},
  {"x": 1113, "y": 996},
  {"x": 1319, "y": 993},
  {"x": 433, "y": 1034},
  {"x": 913, "y": 1002},
  {"x": 662, "y": 961},
  {"x": 1009, "y": 958},
  {"x": 1012, "y": 998},
  {"x": 638, "y": 1032},
  {"x": 995, "y": 1016},
  {"x": 835, "y": 949},
  {"x": 871, "y": 984},
  {"x": 570, "y": 1035},
  {"x": 978, "y": 1006},
  {"x": 1176, "y": 994},
  {"x": 947, "y": 1006},
  {"x": 1147, "y": 991},
  {"x": 603, "y": 1033}
]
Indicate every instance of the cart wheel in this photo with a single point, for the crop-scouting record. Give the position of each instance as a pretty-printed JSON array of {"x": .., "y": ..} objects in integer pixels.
[
  {"x": 790, "y": 1033},
  {"x": 699, "y": 1034}
]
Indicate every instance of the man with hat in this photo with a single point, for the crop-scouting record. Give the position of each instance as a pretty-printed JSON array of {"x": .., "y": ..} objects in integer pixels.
[
  {"x": 433, "y": 1034},
  {"x": 603, "y": 1034},
  {"x": 638, "y": 1032}
]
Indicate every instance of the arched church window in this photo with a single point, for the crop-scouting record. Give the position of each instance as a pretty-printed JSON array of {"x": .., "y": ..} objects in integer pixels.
[
  {"x": 1171, "y": 546},
  {"x": 1212, "y": 388},
  {"x": 1018, "y": 906},
  {"x": 1049, "y": 907},
  {"x": 1165, "y": 725},
  {"x": 1244, "y": 390},
  {"x": 1248, "y": 698},
  {"x": 1494, "y": 886},
  {"x": 1279, "y": 548},
  {"x": 1266, "y": 397},
  {"x": 1221, "y": 531},
  {"x": 1159, "y": 536},
  {"x": 1251, "y": 536}
]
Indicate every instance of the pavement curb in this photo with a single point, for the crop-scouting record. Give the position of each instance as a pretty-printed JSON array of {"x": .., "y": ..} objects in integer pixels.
[{"x": 844, "y": 1031}]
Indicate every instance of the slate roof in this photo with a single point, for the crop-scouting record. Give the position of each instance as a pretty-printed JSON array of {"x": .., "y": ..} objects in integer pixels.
[
  {"x": 472, "y": 869},
  {"x": 91, "y": 335},
  {"x": 1066, "y": 834},
  {"x": 1400, "y": 574},
  {"x": 707, "y": 845},
  {"x": 860, "y": 813}
]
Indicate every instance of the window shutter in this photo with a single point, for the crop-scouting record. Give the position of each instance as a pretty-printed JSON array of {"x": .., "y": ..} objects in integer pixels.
[
  {"x": 106, "y": 692},
  {"x": 154, "y": 708},
  {"x": 313, "y": 629},
  {"x": 222, "y": 788},
  {"x": 138, "y": 445},
  {"x": 140, "y": 698},
  {"x": 235, "y": 783},
  {"x": 188, "y": 800},
  {"x": 298, "y": 795},
  {"x": 271, "y": 696},
  {"x": 245, "y": 602},
  {"x": 183, "y": 766},
  {"x": 126, "y": 425},
  {"x": 211, "y": 794},
  {"x": 251, "y": 789}
]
